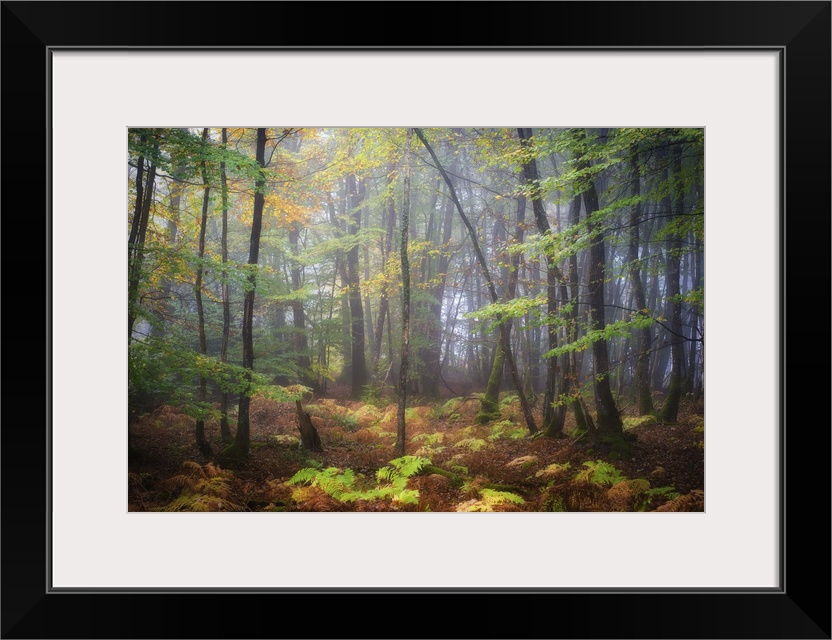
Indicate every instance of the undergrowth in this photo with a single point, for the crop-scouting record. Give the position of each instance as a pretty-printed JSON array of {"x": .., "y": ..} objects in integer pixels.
[{"x": 346, "y": 486}]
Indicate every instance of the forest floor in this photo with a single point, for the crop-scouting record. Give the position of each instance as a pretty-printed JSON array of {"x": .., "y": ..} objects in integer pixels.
[{"x": 452, "y": 463}]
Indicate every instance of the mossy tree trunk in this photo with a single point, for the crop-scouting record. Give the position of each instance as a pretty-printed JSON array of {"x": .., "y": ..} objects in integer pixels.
[{"x": 490, "y": 409}]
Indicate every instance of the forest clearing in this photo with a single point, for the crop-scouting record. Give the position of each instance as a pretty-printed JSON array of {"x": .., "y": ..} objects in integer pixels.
[{"x": 463, "y": 320}]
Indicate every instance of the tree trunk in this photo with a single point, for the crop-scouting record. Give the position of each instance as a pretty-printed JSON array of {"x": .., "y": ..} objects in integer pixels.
[
  {"x": 642, "y": 377},
  {"x": 356, "y": 191},
  {"x": 225, "y": 429},
  {"x": 369, "y": 336},
  {"x": 309, "y": 438},
  {"x": 239, "y": 447},
  {"x": 571, "y": 373},
  {"x": 383, "y": 305},
  {"x": 608, "y": 423},
  {"x": 299, "y": 339},
  {"x": 135, "y": 243},
  {"x": 670, "y": 409},
  {"x": 401, "y": 425},
  {"x": 199, "y": 430},
  {"x": 552, "y": 421}
]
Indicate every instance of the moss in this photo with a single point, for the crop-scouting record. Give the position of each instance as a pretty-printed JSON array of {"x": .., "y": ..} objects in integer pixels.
[
  {"x": 639, "y": 421},
  {"x": 428, "y": 469},
  {"x": 233, "y": 454},
  {"x": 489, "y": 411},
  {"x": 617, "y": 446}
]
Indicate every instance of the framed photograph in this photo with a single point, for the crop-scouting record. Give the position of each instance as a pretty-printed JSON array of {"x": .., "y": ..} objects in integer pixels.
[{"x": 754, "y": 76}]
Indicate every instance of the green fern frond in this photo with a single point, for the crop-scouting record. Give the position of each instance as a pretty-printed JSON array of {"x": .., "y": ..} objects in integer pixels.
[
  {"x": 304, "y": 475},
  {"x": 385, "y": 474},
  {"x": 494, "y": 497},
  {"x": 553, "y": 469},
  {"x": 430, "y": 439},
  {"x": 408, "y": 466},
  {"x": 408, "y": 496},
  {"x": 600, "y": 472},
  {"x": 474, "y": 444}
]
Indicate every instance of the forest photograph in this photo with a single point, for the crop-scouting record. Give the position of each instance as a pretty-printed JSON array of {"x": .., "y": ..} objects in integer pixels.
[{"x": 415, "y": 319}]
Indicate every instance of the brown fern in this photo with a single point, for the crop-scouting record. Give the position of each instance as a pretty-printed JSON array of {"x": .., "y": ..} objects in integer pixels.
[{"x": 693, "y": 501}]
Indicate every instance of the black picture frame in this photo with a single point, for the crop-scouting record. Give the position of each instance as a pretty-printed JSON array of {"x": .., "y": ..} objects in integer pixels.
[{"x": 800, "y": 608}]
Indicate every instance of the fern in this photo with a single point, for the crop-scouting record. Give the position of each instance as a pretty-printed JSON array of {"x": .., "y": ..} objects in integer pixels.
[
  {"x": 332, "y": 481},
  {"x": 407, "y": 496},
  {"x": 304, "y": 475},
  {"x": 558, "y": 505},
  {"x": 397, "y": 471},
  {"x": 188, "y": 501},
  {"x": 392, "y": 479},
  {"x": 506, "y": 429},
  {"x": 492, "y": 497},
  {"x": 409, "y": 465},
  {"x": 474, "y": 444},
  {"x": 600, "y": 472},
  {"x": 552, "y": 470},
  {"x": 647, "y": 497},
  {"x": 430, "y": 439}
]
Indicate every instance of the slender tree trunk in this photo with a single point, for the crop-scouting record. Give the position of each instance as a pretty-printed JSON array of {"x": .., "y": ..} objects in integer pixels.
[
  {"x": 356, "y": 191},
  {"x": 400, "y": 416},
  {"x": 432, "y": 373},
  {"x": 572, "y": 326},
  {"x": 368, "y": 307},
  {"x": 470, "y": 354},
  {"x": 137, "y": 208},
  {"x": 300, "y": 341},
  {"x": 225, "y": 429},
  {"x": 491, "y": 401},
  {"x": 239, "y": 448},
  {"x": 642, "y": 377},
  {"x": 670, "y": 409},
  {"x": 199, "y": 431},
  {"x": 505, "y": 341},
  {"x": 690, "y": 380},
  {"x": 138, "y": 233},
  {"x": 383, "y": 305},
  {"x": 532, "y": 272},
  {"x": 552, "y": 421}
]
